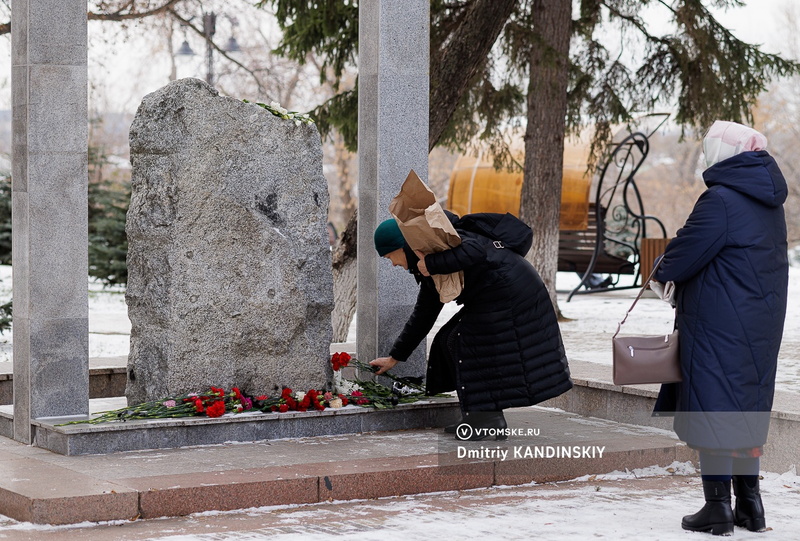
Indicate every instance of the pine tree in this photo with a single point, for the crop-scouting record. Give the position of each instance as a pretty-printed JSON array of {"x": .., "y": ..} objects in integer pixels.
[
  {"x": 5, "y": 220},
  {"x": 108, "y": 206}
]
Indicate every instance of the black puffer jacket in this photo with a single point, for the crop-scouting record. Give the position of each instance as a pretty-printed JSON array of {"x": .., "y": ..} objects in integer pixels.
[{"x": 507, "y": 345}]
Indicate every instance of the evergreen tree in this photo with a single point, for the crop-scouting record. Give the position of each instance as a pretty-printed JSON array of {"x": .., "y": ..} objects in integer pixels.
[
  {"x": 5, "y": 220},
  {"x": 543, "y": 54},
  {"x": 108, "y": 206}
]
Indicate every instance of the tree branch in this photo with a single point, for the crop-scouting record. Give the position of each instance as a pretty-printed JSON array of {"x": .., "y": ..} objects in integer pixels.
[
  {"x": 636, "y": 22},
  {"x": 120, "y": 16},
  {"x": 458, "y": 62},
  {"x": 116, "y": 16}
]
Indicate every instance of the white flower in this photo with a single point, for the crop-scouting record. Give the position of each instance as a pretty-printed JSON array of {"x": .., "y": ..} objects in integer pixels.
[
  {"x": 299, "y": 395},
  {"x": 297, "y": 122},
  {"x": 335, "y": 403}
]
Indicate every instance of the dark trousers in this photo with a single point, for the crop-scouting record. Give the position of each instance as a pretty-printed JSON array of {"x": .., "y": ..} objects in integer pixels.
[{"x": 718, "y": 467}]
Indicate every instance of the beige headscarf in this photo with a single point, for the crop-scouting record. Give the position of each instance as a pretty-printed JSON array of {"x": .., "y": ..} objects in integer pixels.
[{"x": 727, "y": 139}]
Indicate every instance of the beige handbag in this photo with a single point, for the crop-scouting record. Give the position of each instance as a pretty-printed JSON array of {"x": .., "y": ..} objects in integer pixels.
[{"x": 645, "y": 359}]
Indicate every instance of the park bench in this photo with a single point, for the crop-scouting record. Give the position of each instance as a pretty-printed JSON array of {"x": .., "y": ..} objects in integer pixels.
[
  {"x": 615, "y": 241},
  {"x": 577, "y": 248}
]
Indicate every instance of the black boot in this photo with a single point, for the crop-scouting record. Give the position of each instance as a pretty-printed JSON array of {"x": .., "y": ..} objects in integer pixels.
[
  {"x": 716, "y": 516},
  {"x": 749, "y": 510},
  {"x": 482, "y": 424}
]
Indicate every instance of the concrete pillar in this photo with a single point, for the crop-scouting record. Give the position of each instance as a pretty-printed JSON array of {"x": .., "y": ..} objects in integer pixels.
[
  {"x": 49, "y": 210},
  {"x": 393, "y": 83}
]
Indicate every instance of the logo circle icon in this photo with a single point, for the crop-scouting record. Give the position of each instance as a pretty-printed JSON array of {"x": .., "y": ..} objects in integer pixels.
[{"x": 464, "y": 431}]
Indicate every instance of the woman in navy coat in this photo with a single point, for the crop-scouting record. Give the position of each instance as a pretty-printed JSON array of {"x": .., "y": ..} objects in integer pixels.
[{"x": 730, "y": 267}]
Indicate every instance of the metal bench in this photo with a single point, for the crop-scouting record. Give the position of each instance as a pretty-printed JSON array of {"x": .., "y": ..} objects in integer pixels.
[{"x": 611, "y": 244}]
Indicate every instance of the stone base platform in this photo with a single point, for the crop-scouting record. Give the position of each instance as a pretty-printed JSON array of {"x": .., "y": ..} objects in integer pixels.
[{"x": 87, "y": 439}]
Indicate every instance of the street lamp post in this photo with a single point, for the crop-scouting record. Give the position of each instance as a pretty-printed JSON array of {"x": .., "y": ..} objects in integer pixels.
[{"x": 209, "y": 29}]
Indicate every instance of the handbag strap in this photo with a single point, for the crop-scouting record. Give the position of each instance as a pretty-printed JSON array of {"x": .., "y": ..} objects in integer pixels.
[{"x": 639, "y": 296}]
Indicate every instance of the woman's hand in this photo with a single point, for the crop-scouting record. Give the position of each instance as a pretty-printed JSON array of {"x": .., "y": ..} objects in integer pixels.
[
  {"x": 423, "y": 269},
  {"x": 384, "y": 364}
]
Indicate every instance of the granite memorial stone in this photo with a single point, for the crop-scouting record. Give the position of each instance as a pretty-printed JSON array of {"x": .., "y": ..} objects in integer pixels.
[{"x": 229, "y": 263}]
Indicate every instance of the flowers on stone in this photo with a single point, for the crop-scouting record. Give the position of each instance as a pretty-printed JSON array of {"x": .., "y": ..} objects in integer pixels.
[
  {"x": 216, "y": 409},
  {"x": 216, "y": 401},
  {"x": 275, "y": 108},
  {"x": 335, "y": 403}
]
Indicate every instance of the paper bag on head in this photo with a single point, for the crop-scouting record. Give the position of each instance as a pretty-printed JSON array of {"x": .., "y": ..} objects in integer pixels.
[{"x": 426, "y": 228}]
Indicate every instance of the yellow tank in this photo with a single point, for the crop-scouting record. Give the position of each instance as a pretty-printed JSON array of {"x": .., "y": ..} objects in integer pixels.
[{"x": 476, "y": 186}]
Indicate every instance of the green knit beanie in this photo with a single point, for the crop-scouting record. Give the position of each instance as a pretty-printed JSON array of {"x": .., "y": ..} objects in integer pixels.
[{"x": 388, "y": 237}]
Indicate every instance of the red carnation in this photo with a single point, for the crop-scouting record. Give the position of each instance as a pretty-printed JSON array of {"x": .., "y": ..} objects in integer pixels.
[
  {"x": 362, "y": 401},
  {"x": 356, "y": 393},
  {"x": 198, "y": 406},
  {"x": 237, "y": 392},
  {"x": 344, "y": 399},
  {"x": 339, "y": 360},
  {"x": 286, "y": 393},
  {"x": 216, "y": 409},
  {"x": 283, "y": 408},
  {"x": 261, "y": 397}
]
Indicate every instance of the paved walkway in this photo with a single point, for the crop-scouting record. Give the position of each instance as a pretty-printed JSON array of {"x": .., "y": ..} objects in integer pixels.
[{"x": 642, "y": 504}]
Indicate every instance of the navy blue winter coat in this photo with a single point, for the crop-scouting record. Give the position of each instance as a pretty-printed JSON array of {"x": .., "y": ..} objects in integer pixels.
[
  {"x": 506, "y": 342},
  {"x": 730, "y": 266}
]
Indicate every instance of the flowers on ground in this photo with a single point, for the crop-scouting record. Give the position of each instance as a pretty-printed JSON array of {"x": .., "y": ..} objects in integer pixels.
[{"x": 215, "y": 402}]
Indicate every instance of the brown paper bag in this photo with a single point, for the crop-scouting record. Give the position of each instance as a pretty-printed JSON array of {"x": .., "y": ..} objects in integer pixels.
[{"x": 427, "y": 229}]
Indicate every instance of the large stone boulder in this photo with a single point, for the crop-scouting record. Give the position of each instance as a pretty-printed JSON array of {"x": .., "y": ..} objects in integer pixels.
[{"x": 229, "y": 265}]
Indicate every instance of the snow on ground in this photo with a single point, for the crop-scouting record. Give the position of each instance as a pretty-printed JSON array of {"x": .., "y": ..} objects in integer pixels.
[
  {"x": 109, "y": 327},
  {"x": 646, "y": 503}
]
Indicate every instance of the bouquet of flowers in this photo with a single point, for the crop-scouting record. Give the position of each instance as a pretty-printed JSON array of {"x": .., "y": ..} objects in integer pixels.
[
  {"x": 373, "y": 393},
  {"x": 216, "y": 402}
]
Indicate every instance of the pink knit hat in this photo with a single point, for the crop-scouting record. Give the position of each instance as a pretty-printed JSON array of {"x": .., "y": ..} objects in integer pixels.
[{"x": 727, "y": 139}]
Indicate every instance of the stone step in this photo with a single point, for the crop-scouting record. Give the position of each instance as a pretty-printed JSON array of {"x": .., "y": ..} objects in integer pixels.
[
  {"x": 43, "y": 487},
  {"x": 594, "y": 395},
  {"x": 107, "y": 378}
]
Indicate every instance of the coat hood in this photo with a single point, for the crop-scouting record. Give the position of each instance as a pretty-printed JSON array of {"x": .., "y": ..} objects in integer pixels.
[
  {"x": 755, "y": 174},
  {"x": 507, "y": 228}
]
